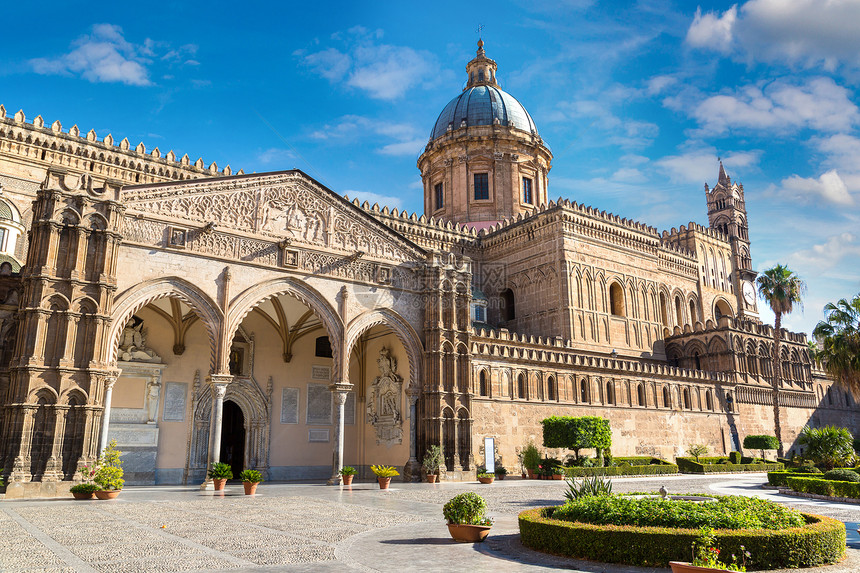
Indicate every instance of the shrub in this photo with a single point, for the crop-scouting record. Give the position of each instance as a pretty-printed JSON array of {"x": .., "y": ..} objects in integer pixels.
[
  {"x": 466, "y": 509},
  {"x": 761, "y": 443},
  {"x": 220, "y": 470},
  {"x": 433, "y": 459},
  {"x": 735, "y": 457},
  {"x": 108, "y": 474},
  {"x": 807, "y": 470},
  {"x": 689, "y": 466},
  {"x": 485, "y": 475},
  {"x": 825, "y": 487},
  {"x": 624, "y": 470},
  {"x": 252, "y": 476},
  {"x": 501, "y": 471},
  {"x": 531, "y": 457},
  {"x": 779, "y": 477},
  {"x": 731, "y": 512},
  {"x": 588, "y": 487},
  {"x": 828, "y": 446},
  {"x": 576, "y": 433},
  {"x": 842, "y": 474},
  {"x": 697, "y": 450},
  {"x": 383, "y": 471},
  {"x": 820, "y": 541},
  {"x": 85, "y": 488},
  {"x": 348, "y": 471}
]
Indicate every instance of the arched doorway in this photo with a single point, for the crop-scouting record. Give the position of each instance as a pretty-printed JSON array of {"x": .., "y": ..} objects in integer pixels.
[{"x": 233, "y": 437}]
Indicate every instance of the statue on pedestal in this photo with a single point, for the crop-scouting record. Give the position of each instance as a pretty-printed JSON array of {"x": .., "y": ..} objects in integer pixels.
[{"x": 132, "y": 343}]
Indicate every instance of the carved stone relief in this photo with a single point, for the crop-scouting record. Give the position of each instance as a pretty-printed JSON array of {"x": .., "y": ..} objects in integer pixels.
[
  {"x": 384, "y": 402},
  {"x": 132, "y": 344}
]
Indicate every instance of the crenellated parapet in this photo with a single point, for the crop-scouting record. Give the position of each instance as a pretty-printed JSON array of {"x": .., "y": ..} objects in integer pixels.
[{"x": 36, "y": 145}]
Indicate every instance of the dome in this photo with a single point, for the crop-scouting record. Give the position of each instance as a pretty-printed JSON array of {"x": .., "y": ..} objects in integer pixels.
[
  {"x": 8, "y": 212},
  {"x": 483, "y": 105}
]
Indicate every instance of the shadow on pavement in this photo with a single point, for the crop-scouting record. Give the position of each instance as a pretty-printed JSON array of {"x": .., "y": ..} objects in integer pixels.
[{"x": 420, "y": 541}]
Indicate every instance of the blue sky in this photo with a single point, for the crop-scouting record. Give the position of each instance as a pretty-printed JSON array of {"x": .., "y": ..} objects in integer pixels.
[{"x": 637, "y": 100}]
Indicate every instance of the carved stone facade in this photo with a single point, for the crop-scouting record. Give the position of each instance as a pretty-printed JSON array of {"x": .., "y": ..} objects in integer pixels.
[{"x": 269, "y": 322}]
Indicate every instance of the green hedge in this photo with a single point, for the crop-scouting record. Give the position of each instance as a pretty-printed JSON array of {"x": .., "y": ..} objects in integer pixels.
[
  {"x": 649, "y": 470},
  {"x": 779, "y": 477},
  {"x": 824, "y": 487},
  {"x": 690, "y": 466},
  {"x": 821, "y": 541},
  {"x": 639, "y": 460}
]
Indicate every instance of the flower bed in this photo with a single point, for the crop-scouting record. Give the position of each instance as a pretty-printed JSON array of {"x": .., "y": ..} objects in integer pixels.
[
  {"x": 820, "y": 486},
  {"x": 821, "y": 540},
  {"x": 691, "y": 466}
]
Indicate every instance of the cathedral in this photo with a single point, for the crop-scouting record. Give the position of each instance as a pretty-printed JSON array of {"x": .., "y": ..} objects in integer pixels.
[{"x": 196, "y": 315}]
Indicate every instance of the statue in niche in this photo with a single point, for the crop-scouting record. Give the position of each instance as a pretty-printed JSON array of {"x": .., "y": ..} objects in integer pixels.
[
  {"x": 384, "y": 401},
  {"x": 153, "y": 389},
  {"x": 132, "y": 343}
]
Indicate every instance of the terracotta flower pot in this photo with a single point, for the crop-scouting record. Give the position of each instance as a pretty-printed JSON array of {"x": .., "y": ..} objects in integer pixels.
[
  {"x": 501, "y": 476},
  {"x": 558, "y": 476},
  {"x": 468, "y": 533},
  {"x": 108, "y": 493},
  {"x": 531, "y": 474},
  {"x": 681, "y": 567},
  {"x": 250, "y": 487},
  {"x": 431, "y": 478},
  {"x": 347, "y": 479},
  {"x": 485, "y": 480},
  {"x": 383, "y": 482},
  {"x": 82, "y": 495},
  {"x": 219, "y": 483}
]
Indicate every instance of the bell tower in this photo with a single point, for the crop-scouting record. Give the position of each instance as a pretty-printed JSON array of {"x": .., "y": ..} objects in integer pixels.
[{"x": 728, "y": 214}]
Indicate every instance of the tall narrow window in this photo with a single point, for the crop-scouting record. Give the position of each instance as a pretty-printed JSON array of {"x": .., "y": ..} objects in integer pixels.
[
  {"x": 440, "y": 196},
  {"x": 550, "y": 388},
  {"x": 640, "y": 394},
  {"x": 482, "y": 383},
  {"x": 509, "y": 310},
  {"x": 482, "y": 186},
  {"x": 521, "y": 386},
  {"x": 616, "y": 300},
  {"x": 527, "y": 190}
]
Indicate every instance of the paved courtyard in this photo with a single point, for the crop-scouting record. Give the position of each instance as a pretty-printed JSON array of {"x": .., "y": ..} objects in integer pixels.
[{"x": 309, "y": 527}]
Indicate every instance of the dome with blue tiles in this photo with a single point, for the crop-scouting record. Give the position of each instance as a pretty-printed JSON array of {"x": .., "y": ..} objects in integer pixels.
[{"x": 483, "y": 102}]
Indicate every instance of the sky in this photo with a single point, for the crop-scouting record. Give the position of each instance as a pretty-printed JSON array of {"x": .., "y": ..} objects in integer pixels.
[{"x": 637, "y": 100}]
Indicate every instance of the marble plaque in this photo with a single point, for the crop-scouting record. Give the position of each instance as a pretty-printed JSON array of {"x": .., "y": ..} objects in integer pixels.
[
  {"x": 349, "y": 409},
  {"x": 174, "y": 401},
  {"x": 318, "y": 436},
  {"x": 321, "y": 373},
  {"x": 290, "y": 406},
  {"x": 319, "y": 404}
]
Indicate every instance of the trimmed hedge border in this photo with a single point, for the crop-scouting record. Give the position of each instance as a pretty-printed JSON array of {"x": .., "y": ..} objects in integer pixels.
[
  {"x": 821, "y": 541},
  {"x": 824, "y": 487},
  {"x": 690, "y": 466},
  {"x": 642, "y": 470},
  {"x": 778, "y": 478}
]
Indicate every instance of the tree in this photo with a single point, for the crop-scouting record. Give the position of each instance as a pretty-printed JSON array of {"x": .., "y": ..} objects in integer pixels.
[
  {"x": 838, "y": 336},
  {"x": 829, "y": 446},
  {"x": 697, "y": 450},
  {"x": 781, "y": 289},
  {"x": 577, "y": 433},
  {"x": 762, "y": 443}
]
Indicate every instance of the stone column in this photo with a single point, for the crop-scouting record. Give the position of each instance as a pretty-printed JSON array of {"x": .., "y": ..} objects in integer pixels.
[
  {"x": 109, "y": 382},
  {"x": 458, "y": 464},
  {"x": 339, "y": 391},
  {"x": 218, "y": 382},
  {"x": 412, "y": 471}
]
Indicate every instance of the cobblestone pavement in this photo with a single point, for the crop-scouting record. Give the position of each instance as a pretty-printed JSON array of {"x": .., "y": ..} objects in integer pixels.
[{"x": 301, "y": 527}]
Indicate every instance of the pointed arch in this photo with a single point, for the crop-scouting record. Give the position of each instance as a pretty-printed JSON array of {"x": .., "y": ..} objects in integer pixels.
[{"x": 402, "y": 329}]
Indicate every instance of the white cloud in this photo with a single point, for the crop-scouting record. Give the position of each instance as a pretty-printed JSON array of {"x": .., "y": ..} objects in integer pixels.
[
  {"x": 842, "y": 150},
  {"x": 829, "y": 187},
  {"x": 406, "y": 137},
  {"x": 819, "y": 104},
  {"x": 711, "y": 30},
  {"x": 796, "y": 32},
  {"x": 383, "y": 71},
  {"x": 372, "y": 198},
  {"x": 276, "y": 155},
  {"x": 626, "y": 132},
  {"x": 697, "y": 167},
  {"x": 102, "y": 56},
  {"x": 827, "y": 255}
]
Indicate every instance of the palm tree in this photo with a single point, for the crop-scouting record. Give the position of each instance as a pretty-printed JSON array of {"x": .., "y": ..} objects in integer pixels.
[
  {"x": 839, "y": 337},
  {"x": 781, "y": 289}
]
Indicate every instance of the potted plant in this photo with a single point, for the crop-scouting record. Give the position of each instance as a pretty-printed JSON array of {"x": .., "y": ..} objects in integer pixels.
[
  {"x": 433, "y": 460},
  {"x": 384, "y": 475},
  {"x": 706, "y": 556},
  {"x": 501, "y": 472},
  {"x": 219, "y": 473},
  {"x": 531, "y": 459},
  {"x": 347, "y": 473},
  {"x": 86, "y": 489},
  {"x": 485, "y": 477},
  {"x": 108, "y": 474},
  {"x": 250, "y": 479},
  {"x": 466, "y": 517},
  {"x": 558, "y": 472}
]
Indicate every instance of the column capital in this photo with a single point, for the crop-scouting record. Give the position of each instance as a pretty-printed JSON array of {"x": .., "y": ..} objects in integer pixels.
[{"x": 219, "y": 379}]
